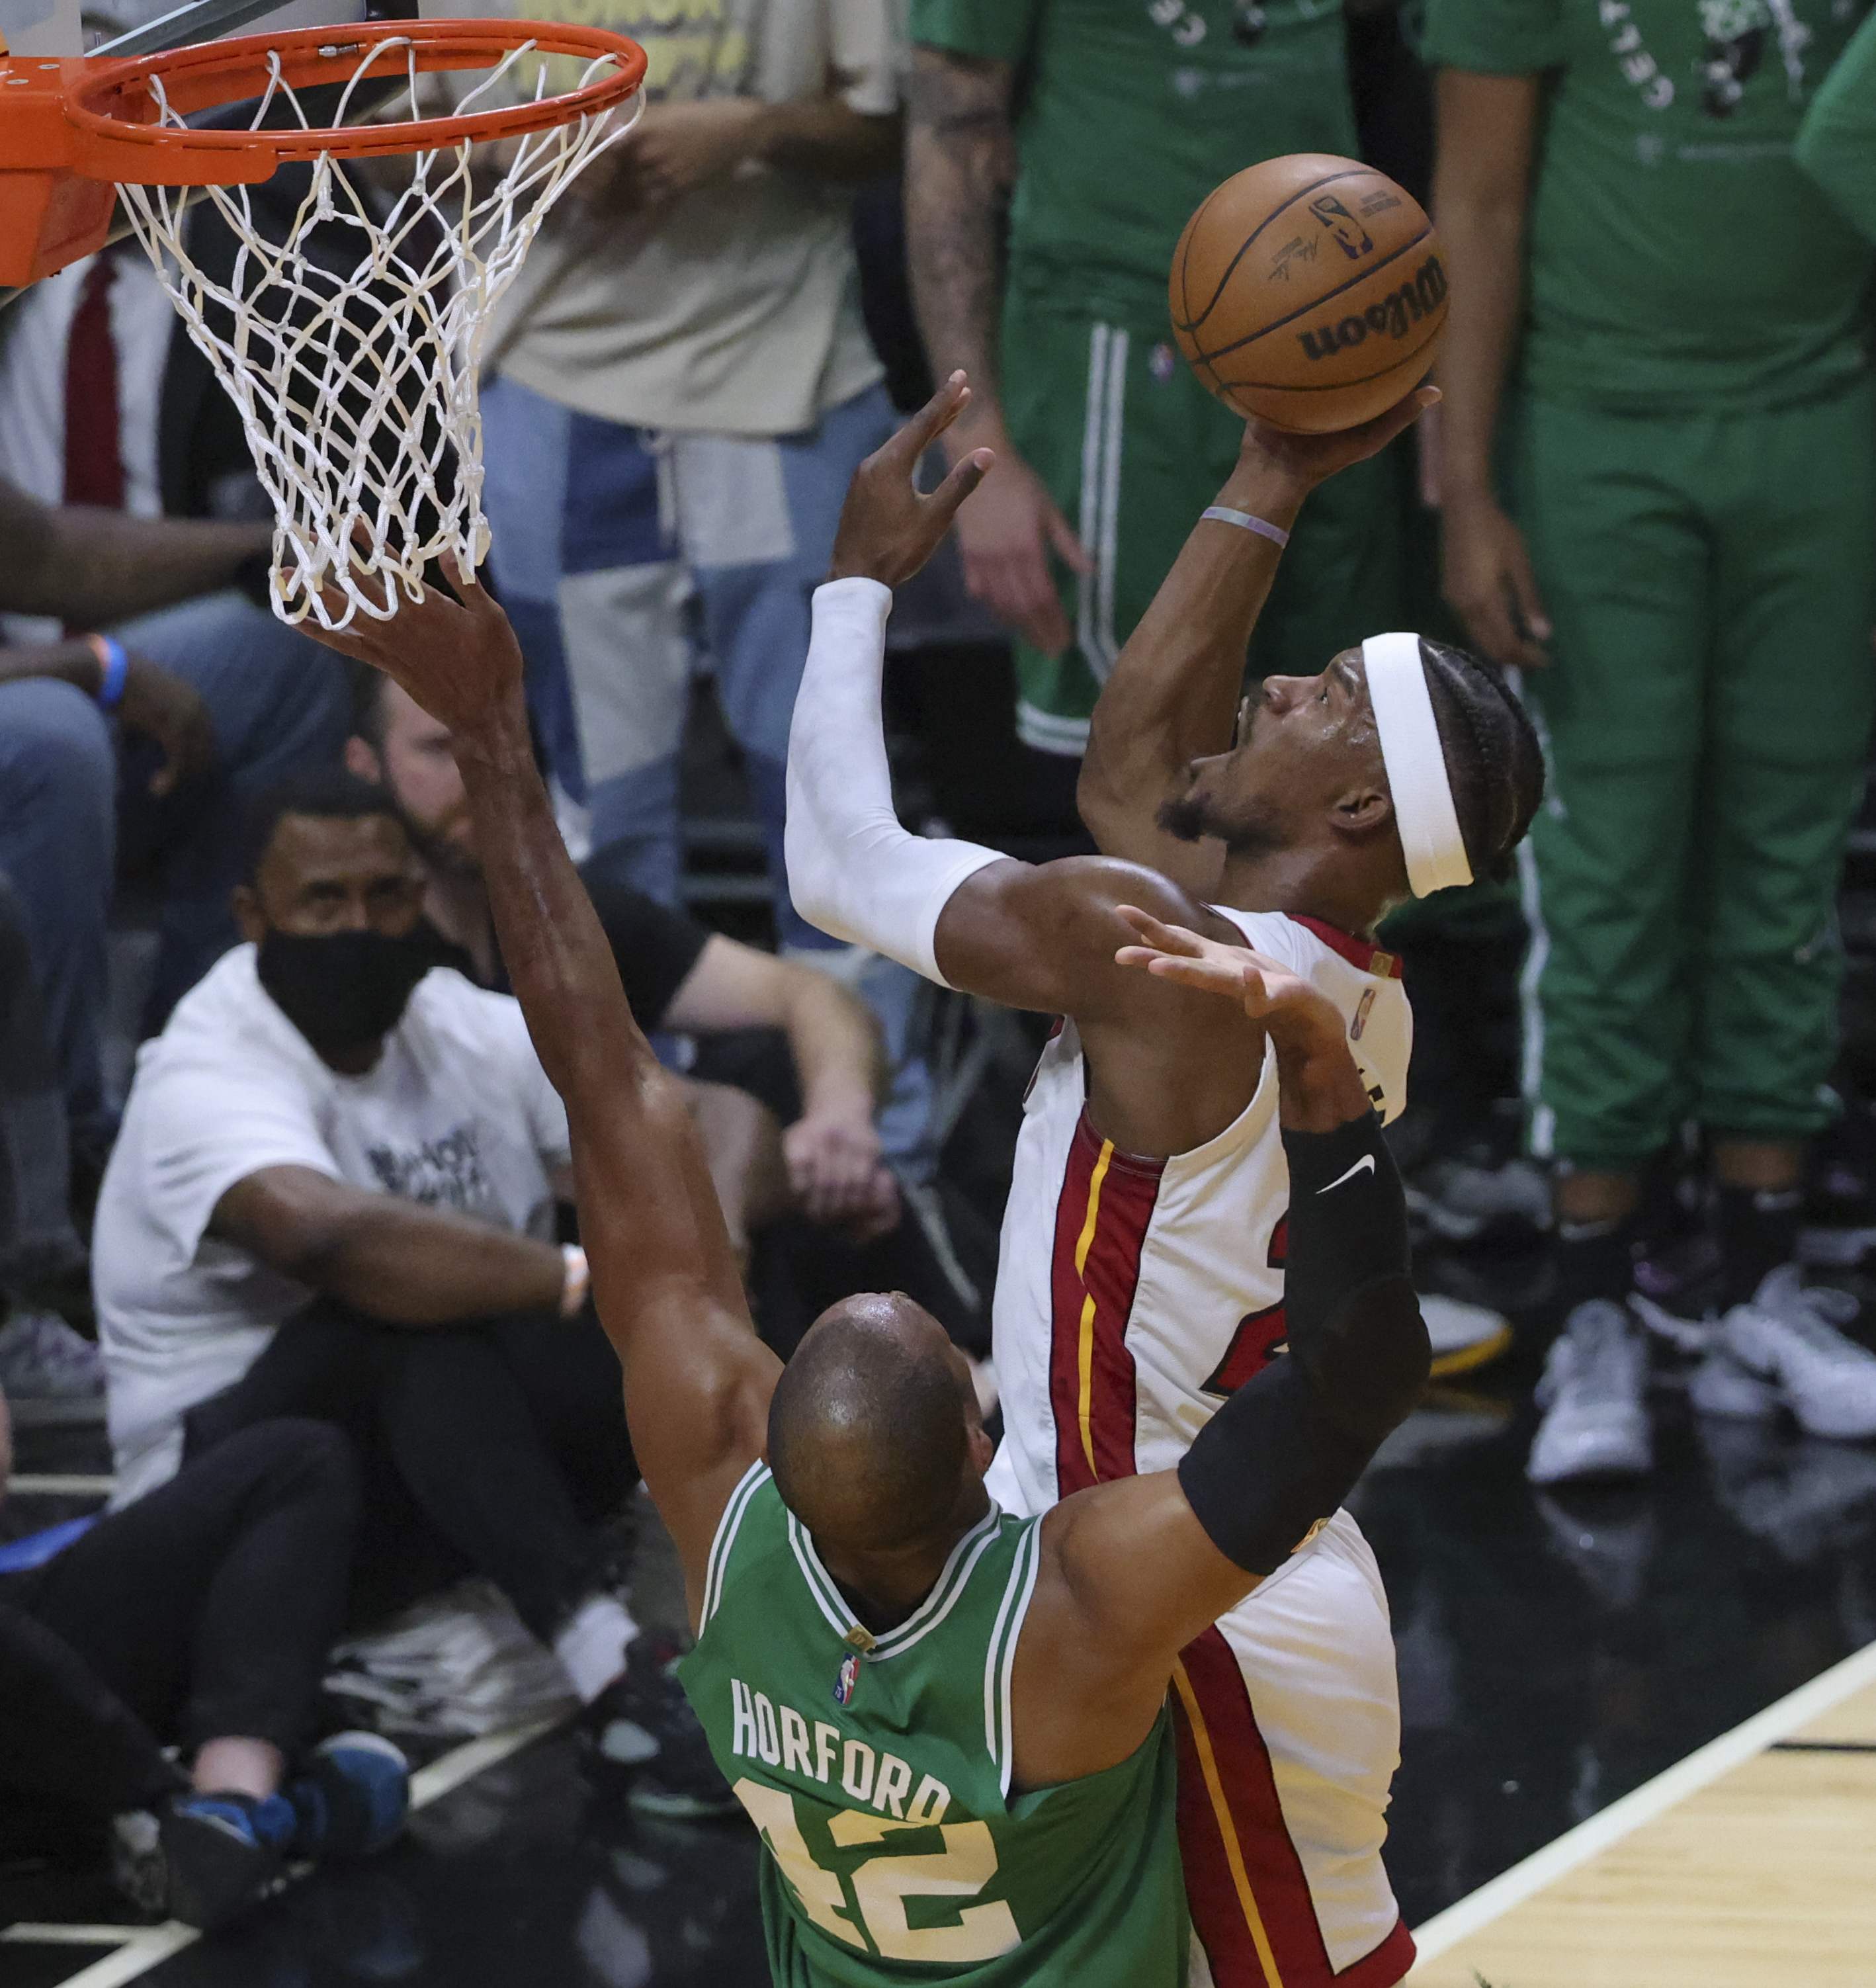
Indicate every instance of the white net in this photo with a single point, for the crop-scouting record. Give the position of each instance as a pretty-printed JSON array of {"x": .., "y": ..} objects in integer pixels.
[{"x": 352, "y": 354}]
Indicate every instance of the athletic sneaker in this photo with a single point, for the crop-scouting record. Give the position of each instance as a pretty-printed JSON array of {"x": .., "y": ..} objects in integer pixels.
[
  {"x": 1789, "y": 1336},
  {"x": 1593, "y": 1393},
  {"x": 1722, "y": 1387},
  {"x": 1461, "y": 1202},
  {"x": 350, "y": 1796},
  {"x": 222, "y": 1855},
  {"x": 643, "y": 1726},
  {"x": 1463, "y": 1335},
  {"x": 48, "y": 1373}
]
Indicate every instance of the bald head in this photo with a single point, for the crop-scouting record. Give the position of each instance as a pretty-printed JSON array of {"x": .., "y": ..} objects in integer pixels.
[{"x": 869, "y": 1427}]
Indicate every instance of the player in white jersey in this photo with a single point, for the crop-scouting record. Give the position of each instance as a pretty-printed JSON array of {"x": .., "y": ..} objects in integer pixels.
[{"x": 1141, "y": 1274}]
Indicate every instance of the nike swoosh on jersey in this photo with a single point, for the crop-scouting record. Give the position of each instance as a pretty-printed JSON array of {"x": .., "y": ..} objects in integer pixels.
[{"x": 1363, "y": 1165}]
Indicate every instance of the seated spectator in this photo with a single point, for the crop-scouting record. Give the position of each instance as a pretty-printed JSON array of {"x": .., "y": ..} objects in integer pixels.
[
  {"x": 138, "y": 750},
  {"x": 333, "y": 1195},
  {"x": 200, "y": 1618},
  {"x": 679, "y": 977}
]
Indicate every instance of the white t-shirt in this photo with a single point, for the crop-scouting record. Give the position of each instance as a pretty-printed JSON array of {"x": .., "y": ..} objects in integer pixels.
[
  {"x": 737, "y": 311},
  {"x": 457, "y": 1113}
]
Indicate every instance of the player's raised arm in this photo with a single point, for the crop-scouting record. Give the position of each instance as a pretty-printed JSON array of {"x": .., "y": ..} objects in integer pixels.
[
  {"x": 1131, "y": 1571},
  {"x": 964, "y": 915},
  {"x": 1174, "y": 694},
  {"x": 665, "y": 1279}
]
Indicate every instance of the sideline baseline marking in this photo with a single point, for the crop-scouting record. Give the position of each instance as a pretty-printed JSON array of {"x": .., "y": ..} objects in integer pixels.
[
  {"x": 27, "y": 1484},
  {"x": 1609, "y": 1825},
  {"x": 139, "y": 1949}
]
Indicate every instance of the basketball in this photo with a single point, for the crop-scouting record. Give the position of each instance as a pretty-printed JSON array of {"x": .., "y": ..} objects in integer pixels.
[{"x": 1308, "y": 291}]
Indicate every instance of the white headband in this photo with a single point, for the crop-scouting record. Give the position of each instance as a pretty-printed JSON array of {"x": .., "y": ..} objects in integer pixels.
[{"x": 1417, "y": 778}]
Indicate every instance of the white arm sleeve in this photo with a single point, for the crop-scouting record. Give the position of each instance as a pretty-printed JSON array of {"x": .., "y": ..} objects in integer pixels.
[{"x": 852, "y": 870}]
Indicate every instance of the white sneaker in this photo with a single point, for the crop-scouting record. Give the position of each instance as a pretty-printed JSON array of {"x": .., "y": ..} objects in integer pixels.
[
  {"x": 1593, "y": 1393},
  {"x": 1790, "y": 1335},
  {"x": 1722, "y": 1387},
  {"x": 1463, "y": 1335}
]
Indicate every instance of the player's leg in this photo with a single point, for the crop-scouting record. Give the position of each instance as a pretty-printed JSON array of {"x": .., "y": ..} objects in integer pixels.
[
  {"x": 585, "y": 552},
  {"x": 58, "y": 842},
  {"x": 1621, "y": 558},
  {"x": 1794, "y": 502},
  {"x": 1288, "y": 1724},
  {"x": 1131, "y": 448}
]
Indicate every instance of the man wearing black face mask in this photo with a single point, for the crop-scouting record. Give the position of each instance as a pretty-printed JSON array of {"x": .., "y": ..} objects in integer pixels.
[{"x": 333, "y": 1195}]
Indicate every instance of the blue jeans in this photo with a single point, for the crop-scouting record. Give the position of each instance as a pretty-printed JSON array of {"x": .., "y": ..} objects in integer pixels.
[
  {"x": 73, "y": 806},
  {"x": 614, "y": 547}
]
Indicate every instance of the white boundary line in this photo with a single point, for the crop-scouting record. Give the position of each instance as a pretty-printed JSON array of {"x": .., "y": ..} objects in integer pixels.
[
  {"x": 47, "y": 1933},
  {"x": 1609, "y": 1825},
  {"x": 26, "y": 1484},
  {"x": 139, "y": 1949},
  {"x": 146, "y": 1947},
  {"x": 462, "y": 1763}
]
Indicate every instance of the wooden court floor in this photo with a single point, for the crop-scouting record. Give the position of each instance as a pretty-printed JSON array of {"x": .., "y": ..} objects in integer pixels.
[{"x": 1752, "y": 1871}]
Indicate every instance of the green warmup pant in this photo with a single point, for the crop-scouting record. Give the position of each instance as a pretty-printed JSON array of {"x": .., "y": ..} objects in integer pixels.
[
  {"x": 1712, "y": 578},
  {"x": 1133, "y": 448}
]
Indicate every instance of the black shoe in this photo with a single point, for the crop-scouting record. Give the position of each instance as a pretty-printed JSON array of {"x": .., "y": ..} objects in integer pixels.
[
  {"x": 642, "y": 1731},
  {"x": 222, "y": 1855}
]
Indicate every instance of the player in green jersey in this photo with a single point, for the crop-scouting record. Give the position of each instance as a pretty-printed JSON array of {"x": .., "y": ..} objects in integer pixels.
[
  {"x": 948, "y": 1724},
  {"x": 1107, "y": 125},
  {"x": 1837, "y": 142},
  {"x": 1689, "y": 456}
]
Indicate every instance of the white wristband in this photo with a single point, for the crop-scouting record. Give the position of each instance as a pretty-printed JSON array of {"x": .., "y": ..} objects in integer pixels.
[
  {"x": 1223, "y": 514},
  {"x": 576, "y": 1280}
]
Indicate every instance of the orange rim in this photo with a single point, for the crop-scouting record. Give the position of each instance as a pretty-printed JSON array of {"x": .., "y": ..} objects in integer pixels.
[{"x": 113, "y": 102}]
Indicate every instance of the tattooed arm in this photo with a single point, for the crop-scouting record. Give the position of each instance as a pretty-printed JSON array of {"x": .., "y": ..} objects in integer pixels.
[{"x": 961, "y": 163}]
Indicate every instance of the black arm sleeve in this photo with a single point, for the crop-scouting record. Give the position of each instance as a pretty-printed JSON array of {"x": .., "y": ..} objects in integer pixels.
[{"x": 1287, "y": 1447}]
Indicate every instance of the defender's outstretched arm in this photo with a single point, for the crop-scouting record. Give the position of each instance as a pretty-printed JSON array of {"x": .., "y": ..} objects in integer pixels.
[
  {"x": 1133, "y": 1570},
  {"x": 1176, "y": 688},
  {"x": 697, "y": 1380}
]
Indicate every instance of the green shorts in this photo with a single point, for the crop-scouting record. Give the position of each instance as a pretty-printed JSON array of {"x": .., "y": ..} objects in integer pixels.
[
  {"x": 1706, "y": 719},
  {"x": 1133, "y": 448}
]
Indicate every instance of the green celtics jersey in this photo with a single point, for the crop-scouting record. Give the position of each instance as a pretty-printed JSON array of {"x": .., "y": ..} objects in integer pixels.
[
  {"x": 1680, "y": 261},
  {"x": 1130, "y": 112},
  {"x": 1837, "y": 145},
  {"x": 878, "y": 1769}
]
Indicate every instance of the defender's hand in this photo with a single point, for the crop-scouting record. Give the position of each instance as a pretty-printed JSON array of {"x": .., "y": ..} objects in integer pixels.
[
  {"x": 1319, "y": 1086},
  {"x": 458, "y": 659},
  {"x": 1286, "y": 1004},
  {"x": 887, "y": 530}
]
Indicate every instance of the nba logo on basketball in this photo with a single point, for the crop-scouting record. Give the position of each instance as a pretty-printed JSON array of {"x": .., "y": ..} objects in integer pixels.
[{"x": 850, "y": 1676}]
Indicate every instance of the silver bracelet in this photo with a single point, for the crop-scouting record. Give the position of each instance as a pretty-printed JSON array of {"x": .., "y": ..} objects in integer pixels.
[{"x": 1243, "y": 519}]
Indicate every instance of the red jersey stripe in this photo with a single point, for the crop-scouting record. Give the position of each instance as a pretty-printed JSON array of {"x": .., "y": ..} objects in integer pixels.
[
  {"x": 1361, "y": 952},
  {"x": 1249, "y": 1897},
  {"x": 1105, "y": 1204}
]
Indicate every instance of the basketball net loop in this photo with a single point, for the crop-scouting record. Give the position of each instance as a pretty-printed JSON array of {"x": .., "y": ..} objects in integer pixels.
[{"x": 357, "y": 387}]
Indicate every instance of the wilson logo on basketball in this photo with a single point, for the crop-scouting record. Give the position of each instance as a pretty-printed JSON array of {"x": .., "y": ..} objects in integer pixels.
[{"x": 1388, "y": 318}]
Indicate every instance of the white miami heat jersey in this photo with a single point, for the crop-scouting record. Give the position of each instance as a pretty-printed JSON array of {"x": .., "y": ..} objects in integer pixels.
[{"x": 1133, "y": 1297}]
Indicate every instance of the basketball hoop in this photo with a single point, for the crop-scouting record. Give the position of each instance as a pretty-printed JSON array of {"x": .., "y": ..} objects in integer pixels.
[{"x": 355, "y": 378}]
